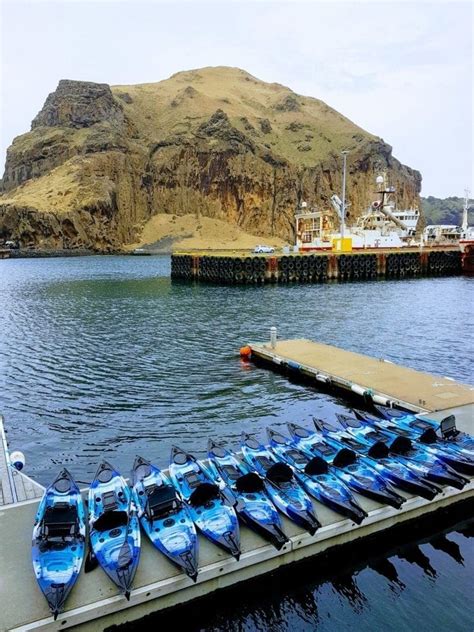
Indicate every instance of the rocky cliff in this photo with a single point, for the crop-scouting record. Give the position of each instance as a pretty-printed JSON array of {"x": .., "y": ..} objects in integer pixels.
[{"x": 100, "y": 161}]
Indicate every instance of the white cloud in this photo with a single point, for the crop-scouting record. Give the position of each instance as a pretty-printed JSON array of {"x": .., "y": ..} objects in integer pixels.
[{"x": 401, "y": 70}]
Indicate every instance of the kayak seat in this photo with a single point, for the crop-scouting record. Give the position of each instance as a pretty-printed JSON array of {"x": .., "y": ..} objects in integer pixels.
[
  {"x": 401, "y": 445},
  {"x": 111, "y": 520},
  {"x": 379, "y": 450},
  {"x": 448, "y": 428},
  {"x": 280, "y": 473},
  {"x": 316, "y": 466},
  {"x": 231, "y": 472},
  {"x": 429, "y": 436},
  {"x": 60, "y": 521},
  {"x": 264, "y": 462},
  {"x": 109, "y": 501},
  {"x": 249, "y": 483},
  {"x": 161, "y": 501},
  {"x": 203, "y": 493},
  {"x": 297, "y": 457},
  {"x": 344, "y": 457}
]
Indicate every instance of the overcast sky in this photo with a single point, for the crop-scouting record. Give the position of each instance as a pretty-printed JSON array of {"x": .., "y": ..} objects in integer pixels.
[{"x": 403, "y": 71}]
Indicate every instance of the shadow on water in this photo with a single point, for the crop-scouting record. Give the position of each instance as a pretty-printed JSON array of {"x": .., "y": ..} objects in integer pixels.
[{"x": 298, "y": 597}]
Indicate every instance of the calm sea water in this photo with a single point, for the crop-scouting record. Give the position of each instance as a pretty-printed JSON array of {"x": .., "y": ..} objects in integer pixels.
[{"x": 106, "y": 356}]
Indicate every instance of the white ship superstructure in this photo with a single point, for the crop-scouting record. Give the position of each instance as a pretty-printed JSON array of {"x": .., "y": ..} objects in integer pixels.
[{"x": 381, "y": 226}]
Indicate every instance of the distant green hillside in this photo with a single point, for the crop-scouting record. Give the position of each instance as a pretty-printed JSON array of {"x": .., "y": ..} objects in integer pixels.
[{"x": 446, "y": 211}]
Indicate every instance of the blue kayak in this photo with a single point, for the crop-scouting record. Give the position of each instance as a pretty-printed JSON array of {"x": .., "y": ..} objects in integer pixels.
[
  {"x": 205, "y": 502},
  {"x": 421, "y": 459},
  {"x": 114, "y": 527},
  {"x": 59, "y": 540},
  {"x": 164, "y": 517},
  {"x": 456, "y": 448},
  {"x": 253, "y": 505},
  {"x": 347, "y": 465},
  {"x": 377, "y": 455},
  {"x": 317, "y": 478},
  {"x": 280, "y": 483}
]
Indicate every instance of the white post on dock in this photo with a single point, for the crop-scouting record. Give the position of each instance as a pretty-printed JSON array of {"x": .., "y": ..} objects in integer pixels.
[{"x": 273, "y": 337}]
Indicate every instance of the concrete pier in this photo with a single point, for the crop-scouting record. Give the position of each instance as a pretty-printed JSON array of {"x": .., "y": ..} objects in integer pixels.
[{"x": 315, "y": 267}]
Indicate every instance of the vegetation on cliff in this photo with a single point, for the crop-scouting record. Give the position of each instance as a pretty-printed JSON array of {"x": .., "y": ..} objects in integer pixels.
[
  {"x": 445, "y": 211},
  {"x": 100, "y": 162}
]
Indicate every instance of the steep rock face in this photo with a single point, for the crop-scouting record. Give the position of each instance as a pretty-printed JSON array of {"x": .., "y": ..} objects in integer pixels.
[
  {"x": 79, "y": 104},
  {"x": 99, "y": 162}
]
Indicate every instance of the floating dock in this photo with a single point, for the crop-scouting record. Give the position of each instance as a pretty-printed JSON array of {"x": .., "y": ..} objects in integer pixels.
[
  {"x": 241, "y": 268},
  {"x": 94, "y": 603},
  {"x": 383, "y": 381}
]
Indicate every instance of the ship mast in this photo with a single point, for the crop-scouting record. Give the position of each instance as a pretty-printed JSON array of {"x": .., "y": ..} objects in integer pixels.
[{"x": 465, "y": 210}]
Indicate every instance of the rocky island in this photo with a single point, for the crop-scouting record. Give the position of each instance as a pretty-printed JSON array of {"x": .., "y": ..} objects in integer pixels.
[{"x": 213, "y": 155}]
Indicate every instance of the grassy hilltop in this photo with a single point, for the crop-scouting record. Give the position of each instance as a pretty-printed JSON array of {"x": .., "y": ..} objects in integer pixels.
[{"x": 101, "y": 163}]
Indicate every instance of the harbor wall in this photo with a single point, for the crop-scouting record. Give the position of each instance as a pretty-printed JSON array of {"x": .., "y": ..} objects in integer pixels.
[{"x": 314, "y": 268}]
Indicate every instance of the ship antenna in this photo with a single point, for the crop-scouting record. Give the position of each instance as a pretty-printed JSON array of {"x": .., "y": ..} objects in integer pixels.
[{"x": 464, "y": 210}]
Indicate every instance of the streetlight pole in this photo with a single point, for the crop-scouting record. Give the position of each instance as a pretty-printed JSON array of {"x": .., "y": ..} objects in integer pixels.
[{"x": 343, "y": 210}]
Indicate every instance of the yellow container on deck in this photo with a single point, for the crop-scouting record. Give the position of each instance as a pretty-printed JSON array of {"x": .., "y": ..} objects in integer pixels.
[{"x": 342, "y": 244}]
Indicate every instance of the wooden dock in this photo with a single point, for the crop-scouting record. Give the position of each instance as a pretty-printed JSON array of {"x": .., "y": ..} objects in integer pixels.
[
  {"x": 15, "y": 487},
  {"x": 315, "y": 267},
  {"x": 362, "y": 375}
]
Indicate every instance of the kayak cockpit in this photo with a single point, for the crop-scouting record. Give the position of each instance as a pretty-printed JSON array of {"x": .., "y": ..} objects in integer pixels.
[{"x": 161, "y": 501}]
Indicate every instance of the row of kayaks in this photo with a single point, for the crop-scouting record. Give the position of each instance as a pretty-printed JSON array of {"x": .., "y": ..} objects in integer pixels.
[{"x": 363, "y": 453}]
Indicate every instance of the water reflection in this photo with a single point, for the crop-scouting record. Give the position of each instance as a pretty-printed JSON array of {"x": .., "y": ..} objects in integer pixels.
[
  {"x": 347, "y": 587},
  {"x": 387, "y": 569},
  {"x": 441, "y": 543},
  {"x": 331, "y": 598},
  {"x": 414, "y": 555}
]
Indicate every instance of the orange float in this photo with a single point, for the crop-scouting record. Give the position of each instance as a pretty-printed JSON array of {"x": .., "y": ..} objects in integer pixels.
[{"x": 245, "y": 352}]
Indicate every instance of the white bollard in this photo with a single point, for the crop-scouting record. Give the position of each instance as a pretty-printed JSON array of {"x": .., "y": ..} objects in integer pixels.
[{"x": 273, "y": 337}]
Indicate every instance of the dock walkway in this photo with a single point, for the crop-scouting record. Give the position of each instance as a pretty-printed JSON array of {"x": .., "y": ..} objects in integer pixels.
[{"x": 15, "y": 487}]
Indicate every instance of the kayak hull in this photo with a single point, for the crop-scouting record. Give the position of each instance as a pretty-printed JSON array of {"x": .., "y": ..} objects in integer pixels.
[
  {"x": 114, "y": 527},
  {"x": 168, "y": 523},
  {"x": 58, "y": 550}
]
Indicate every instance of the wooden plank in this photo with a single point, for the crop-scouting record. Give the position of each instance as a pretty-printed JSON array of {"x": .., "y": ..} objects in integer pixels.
[
  {"x": 422, "y": 390},
  {"x": 8, "y": 495}
]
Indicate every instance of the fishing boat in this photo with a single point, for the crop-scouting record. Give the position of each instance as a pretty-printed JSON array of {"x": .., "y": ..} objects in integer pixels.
[
  {"x": 466, "y": 241},
  {"x": 381, "y": 226}
]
